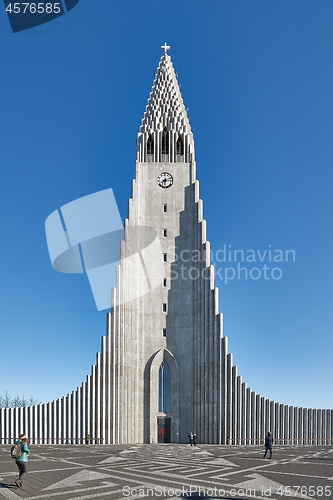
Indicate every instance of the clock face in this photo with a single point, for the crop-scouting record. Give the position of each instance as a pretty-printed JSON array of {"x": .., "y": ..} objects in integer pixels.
[{"x": 165, "y": 180}]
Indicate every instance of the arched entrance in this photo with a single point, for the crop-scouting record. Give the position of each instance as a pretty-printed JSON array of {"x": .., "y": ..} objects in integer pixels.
[{"x": 162, "y": 415}]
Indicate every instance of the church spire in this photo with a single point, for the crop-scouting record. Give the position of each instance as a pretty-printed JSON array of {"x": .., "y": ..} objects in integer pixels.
[{"x": 165, "y": 133}]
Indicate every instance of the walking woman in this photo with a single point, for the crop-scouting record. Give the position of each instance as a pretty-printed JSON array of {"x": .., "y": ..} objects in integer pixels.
[
  {"x": 22, "y": 461},
  {"x": 269, "y": 444}
]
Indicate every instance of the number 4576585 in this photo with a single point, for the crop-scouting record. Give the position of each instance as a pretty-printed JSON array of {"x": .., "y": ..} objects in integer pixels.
[{"x": 33, "y": 8}]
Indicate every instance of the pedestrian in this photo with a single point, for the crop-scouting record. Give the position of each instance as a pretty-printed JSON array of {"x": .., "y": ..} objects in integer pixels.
[
  {"x": 191, "y": 438},
  {"x": 269, "y": 444},
  {"x": 22, "y": 461},
  {"x": 194, "y": 439}
]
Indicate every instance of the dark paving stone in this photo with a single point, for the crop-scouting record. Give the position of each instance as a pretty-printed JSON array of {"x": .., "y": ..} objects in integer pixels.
[{"x": 170, "y": 472}]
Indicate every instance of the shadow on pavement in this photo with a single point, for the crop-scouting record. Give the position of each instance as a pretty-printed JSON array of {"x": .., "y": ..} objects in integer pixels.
[{"x": 5, "y": 485}]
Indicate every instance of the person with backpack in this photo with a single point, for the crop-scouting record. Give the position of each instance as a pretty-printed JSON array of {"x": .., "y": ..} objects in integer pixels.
[{"x": 21, "y": 454}]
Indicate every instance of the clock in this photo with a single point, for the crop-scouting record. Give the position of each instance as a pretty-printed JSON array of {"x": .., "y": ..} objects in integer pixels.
[{"x": 165, "y": 180}]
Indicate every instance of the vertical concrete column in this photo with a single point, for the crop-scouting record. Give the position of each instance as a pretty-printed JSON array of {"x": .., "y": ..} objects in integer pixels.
[
  {"x": 89, "y": 403},
  {"x": 310, "y": 426},
  {"x": 297, "y": 432},
  {"x": 69, "y": 408},
  {"x": 286, "y": 424},
  {"x": 268, "y": 425},
  {"x": 253, "y": 417},
  {"x": 103, "y": 408},
  {"x": 74, "y": 417},
  {"x": 314, "y": 426},
  {"x": 272, "y": 418},
  {"x": 25, "y": 419},
  {"x": 323, "y": 426},
  {"x": 8, "y": 433},
  {"x": 223, "y": 389},
  {"x": 1, "y": 426},
  {"x": 277, "y": 420},
  {"x": 56, "y": 422},
  {"x": 262, "y": 417},
  {"x": 41, "y": 423},
  {"x": 319, "y": 426},
  {"x": 78, "y": 422},
  {"x": 248, "y": 434},
  {"x": 48, "y": 425},
  {"x": 84, "y": 412},
  {"x": 233, "y": 404},
  {"x": 35, "y": 421},
  {"x": 217, "y": 382},
  {"x": 97, "y": 398},
  {"x": 16, "y": 423},
  {"x": 243, "y": 413},
  {"x": 300, "y": 426},
  {"x": 305, "y": 425},
  {"x": 63, "y": 416},
  {"x": 291, "y": 424},
  {"x": 229, "y": 399},
  {"x": 238, "y": 409},
  {"x": 93, "y": 403},
  {"x": 258, "y": 415},
  {"x": 328, "y": 427},
  {"x": 282, "y": 423}
]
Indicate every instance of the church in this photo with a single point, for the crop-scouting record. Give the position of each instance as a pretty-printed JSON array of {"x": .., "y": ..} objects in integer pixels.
[{"x": 164, "y": 369}]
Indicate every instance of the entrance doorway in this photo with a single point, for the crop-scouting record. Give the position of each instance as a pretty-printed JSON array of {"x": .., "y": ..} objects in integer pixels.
[{"x": 164, "y": 430}]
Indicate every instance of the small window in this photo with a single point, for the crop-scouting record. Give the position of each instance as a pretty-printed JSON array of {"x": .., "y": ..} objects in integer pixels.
[
  {"x": 180, "y": 145},
  {"x": 164, "y": 282},
  {"x": 165, "y": 208},
  {"x": 164, "y": 332},
  {"x": 164, "y": 308},
  {"x": 165, "y": 233},
  {"x": 165, "y": 257},
  {"x": 164, "y": 387},
  {"x": 165, "y": 141},
  {"x": 150, "y": 145}
]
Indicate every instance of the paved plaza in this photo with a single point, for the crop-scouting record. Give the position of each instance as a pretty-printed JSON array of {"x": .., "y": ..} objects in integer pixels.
[{"x": 170, "y": 471}]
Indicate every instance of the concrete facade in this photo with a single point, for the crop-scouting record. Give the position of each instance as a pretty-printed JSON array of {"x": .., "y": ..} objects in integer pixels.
[{"x": 164, "y": 368}]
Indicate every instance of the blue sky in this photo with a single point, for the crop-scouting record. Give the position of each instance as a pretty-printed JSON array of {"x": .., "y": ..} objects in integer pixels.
[{"x": 257, "y": 77}]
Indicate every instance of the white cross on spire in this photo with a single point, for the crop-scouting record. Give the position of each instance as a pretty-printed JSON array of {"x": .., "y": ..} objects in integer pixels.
[{"x": 165, "y": 47}]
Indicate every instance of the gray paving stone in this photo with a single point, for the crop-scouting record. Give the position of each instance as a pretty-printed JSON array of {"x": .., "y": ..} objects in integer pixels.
[{"x": 170, "y": 472}]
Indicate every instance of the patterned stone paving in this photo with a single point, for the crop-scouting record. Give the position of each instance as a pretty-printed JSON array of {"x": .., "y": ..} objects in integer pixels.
[{"x": 170, "y": 472}]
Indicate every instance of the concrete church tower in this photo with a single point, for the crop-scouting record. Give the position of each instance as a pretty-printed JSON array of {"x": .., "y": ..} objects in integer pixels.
[
  {"x": 170, "y": 337},
  {"x": 164, "y": 368}
]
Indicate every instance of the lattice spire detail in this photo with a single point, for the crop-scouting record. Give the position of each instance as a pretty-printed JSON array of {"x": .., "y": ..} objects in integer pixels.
[{"x": 165, "y": 133}]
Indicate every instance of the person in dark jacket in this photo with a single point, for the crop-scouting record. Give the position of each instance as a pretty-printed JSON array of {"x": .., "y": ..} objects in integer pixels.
[
  {"x": 22, "y": 461},
  {"x": 269, "y": 444}
]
